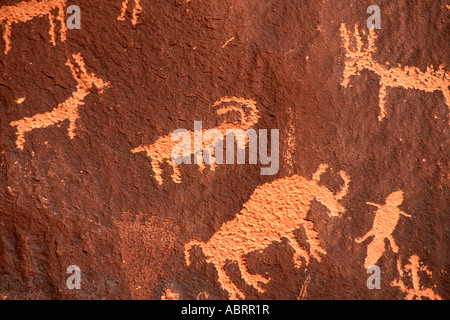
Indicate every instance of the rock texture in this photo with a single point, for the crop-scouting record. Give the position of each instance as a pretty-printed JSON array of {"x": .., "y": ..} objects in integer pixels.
[{"x": 363, "y": 118}]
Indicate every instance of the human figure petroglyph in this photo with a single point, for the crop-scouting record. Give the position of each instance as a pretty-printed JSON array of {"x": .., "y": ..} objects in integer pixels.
[
  {"x": 161, "y": 149},
  {"x": 412, "y": 270},
  {"x": 28, "y": 10},
  {"x": 136, "y": 11},
  {"x": 395, "y": 77},
  {"x": 274, "y": 211},
  {"x": 67, "y": 110},
  {"x": 385, "y": 222}
]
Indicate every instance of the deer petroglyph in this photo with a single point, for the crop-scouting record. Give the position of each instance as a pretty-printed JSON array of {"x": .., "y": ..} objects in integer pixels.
[
  {"x": 67, "y": 110},
  {"x": 161, "y": 149},
  {"x": 401, "y": 77},
  {"x": 386, "y": 219},
  {"x": 136, "y": 11},
  {"x": 417, "y": 290},
  {"x": 28, "y": 10},
  {"x": 273, "y": 212}
]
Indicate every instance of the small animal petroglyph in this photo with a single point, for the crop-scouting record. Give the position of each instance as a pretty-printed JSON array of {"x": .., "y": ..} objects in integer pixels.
[
  {"x": 136, "y": 11},
  {"x": 412, "y": 270},
  {"x": 28, "y": 10},
  {"x": 400, "y": 77},
  {"x": 273, "y": 212},
  {"x": 67, "y": 110},
  {"x": 386, "y": 219},
  {"x": 161, "y": 149}
]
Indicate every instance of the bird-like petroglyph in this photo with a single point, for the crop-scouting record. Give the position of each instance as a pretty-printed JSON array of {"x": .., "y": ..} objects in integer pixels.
[
  {"x": 67, "y": 110},
  {"x": 273, "y": 212},
  {"x": 28, "y": 10},
  {"x": 386, "y": 219},
  {"x": 395, "y": 77}
]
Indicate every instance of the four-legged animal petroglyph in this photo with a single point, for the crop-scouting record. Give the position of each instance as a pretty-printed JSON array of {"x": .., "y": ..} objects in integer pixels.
[
  {"x": 28, "y": 10},
  {"x": 413, "y": 270},
  {"x": 386, "y": 219},
  {"x": 161, "y": 150},
  {"x": 406, "y": 77},
  {"x": 136, "y": 11},
  {"x": 67, "y": 110},
  {"x": 274, "y": 211}
]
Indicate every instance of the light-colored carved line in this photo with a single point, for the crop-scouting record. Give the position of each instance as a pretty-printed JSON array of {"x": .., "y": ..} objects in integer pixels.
[
  {"x": 417, "y": 291},
  {"x": 67, "y": 110},
  {"x": 168, "y": 294},
  {"x": 405, "y": 77},
  {"x": 227, "y": 42},
  {"x": 137, "y": 8},
  {"x": 28, "y": 10},
  {"x": 304, "y": 290}
]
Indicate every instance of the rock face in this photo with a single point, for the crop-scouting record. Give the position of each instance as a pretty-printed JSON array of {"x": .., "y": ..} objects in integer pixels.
[{"x": 87, "y": 176}]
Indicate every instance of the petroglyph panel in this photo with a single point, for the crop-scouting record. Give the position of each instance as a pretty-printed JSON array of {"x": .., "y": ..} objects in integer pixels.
[{"x": 94, "y": 172}]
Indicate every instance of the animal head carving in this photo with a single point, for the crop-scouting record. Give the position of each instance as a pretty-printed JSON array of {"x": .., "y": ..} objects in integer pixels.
[{"x": 326, "y": 197}]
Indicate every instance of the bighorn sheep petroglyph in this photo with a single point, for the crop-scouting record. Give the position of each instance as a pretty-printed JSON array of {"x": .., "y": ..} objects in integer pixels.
[{"x": 161, "y": 149}]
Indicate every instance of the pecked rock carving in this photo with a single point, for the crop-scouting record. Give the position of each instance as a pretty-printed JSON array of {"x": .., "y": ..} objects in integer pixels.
[
  {"x": 274, "y": 211},
  {"x": 28, "y": 10},
  {"x": 396, "y": 77},
  {"x": 67, "y": 110}
]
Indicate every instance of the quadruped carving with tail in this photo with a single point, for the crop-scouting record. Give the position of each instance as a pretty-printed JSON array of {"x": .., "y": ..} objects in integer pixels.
[
  {"x": 274, "y": 211},
  {"x": 161, "y": 149},
  {"x": 67, "y": 110}
]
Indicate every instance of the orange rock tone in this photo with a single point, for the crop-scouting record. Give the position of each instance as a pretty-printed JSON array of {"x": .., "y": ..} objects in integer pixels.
[
  {"x": 145, "y": 244},
  {"x": 136, "y": 11},
  {"x": 161, "y": 149}
]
